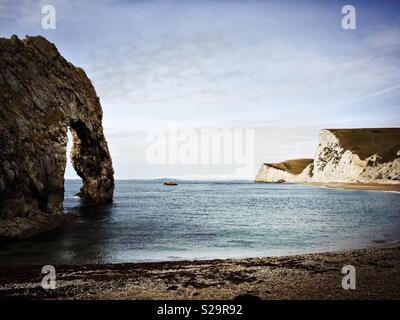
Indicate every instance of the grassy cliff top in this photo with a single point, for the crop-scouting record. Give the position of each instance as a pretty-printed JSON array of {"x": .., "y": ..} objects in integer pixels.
[
  {"x": 367, "y": 142},
  {"x": 295, "y": 166}
]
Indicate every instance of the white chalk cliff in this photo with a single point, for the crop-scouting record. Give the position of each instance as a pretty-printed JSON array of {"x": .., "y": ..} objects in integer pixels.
[{"x": 346, "y": 156}]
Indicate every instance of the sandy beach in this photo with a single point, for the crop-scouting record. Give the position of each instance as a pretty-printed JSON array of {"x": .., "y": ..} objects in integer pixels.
[
  {"x": 309, "y": 276},
  {"x": 359, "y": 186}
]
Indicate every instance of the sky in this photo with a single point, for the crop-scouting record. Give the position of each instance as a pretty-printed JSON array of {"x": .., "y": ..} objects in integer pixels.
[{"x": 283, "y": 69}]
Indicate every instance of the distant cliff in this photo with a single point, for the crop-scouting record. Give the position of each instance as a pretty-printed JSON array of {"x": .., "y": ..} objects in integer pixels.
[
  {"x": 41, "y": 96},
  {"x": 287, "y": 171},
  {"x": 344, "y": 155}
]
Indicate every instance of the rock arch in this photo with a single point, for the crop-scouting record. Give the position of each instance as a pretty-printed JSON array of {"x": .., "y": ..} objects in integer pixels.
[
  {"x": 41, "y": 95},
  {"x": 91, "y": 161}
]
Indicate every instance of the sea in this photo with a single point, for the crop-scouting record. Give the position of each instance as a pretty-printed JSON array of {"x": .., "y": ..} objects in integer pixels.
[{"x": 148, "y": 221}]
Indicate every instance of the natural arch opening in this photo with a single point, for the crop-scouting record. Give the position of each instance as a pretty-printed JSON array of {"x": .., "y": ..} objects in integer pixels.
[
  {"x": 70, "y": 172},
  {"x": 72, "y": 182},
  {"x": 91, "y": 162}
]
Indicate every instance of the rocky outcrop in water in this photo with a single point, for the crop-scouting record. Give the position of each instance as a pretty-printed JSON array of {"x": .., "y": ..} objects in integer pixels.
[
  {"x": 345, "y": 156},
  {"x": 41, "y": 96}
]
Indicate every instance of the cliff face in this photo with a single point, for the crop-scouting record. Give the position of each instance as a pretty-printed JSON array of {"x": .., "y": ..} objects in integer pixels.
[
  {"x": 358, "y": 155},
  {"x": 41, "y": 96},
  {"x": 348, "y": 156}
]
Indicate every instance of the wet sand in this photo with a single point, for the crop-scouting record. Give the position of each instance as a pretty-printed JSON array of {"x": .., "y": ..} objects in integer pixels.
[{"x": 309, "y": 276}]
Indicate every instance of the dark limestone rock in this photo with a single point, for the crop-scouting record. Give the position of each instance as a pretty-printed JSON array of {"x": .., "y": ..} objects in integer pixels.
[{"x": 41, "y": 96}]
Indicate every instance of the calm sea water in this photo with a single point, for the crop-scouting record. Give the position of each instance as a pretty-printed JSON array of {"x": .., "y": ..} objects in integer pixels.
[{"x": 196, "y": 220}]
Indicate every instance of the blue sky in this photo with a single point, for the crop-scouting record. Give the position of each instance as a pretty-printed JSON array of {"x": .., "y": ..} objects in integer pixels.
[{"x": 285, "y": 68}]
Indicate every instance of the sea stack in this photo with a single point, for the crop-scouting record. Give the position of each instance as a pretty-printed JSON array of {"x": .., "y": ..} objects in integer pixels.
[
  {"x": 346, "y": 156},
  {"x": 41, "y": 96}
]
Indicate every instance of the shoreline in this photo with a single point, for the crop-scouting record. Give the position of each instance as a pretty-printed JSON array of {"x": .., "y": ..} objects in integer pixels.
[
  {"x": 303, "y": 276},
  {"x": 357, "y": 186}
]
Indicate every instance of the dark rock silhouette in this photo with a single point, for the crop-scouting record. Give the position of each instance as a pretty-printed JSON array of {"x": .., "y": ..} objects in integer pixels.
[{"x": 41, "y": 96}]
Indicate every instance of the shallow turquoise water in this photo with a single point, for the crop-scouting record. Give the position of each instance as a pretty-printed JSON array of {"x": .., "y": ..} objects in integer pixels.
[{"x": 197, "y": 220}]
